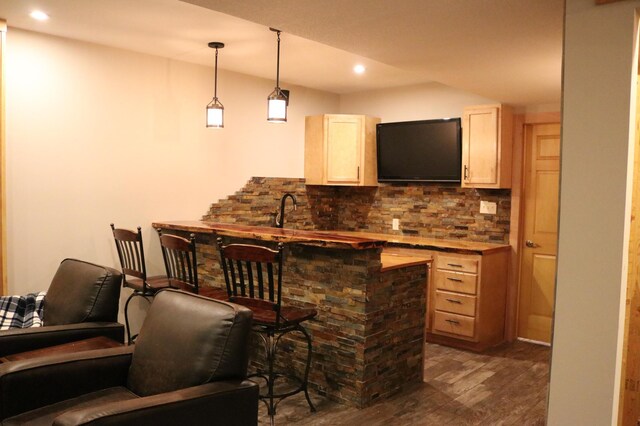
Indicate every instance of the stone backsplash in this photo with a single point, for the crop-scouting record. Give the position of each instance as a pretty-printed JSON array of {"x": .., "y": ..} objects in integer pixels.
[{"x": 430, "y": 210}]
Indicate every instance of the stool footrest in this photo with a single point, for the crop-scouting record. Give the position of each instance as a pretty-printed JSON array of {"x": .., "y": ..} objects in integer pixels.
[{"x": 299, "y": 385}]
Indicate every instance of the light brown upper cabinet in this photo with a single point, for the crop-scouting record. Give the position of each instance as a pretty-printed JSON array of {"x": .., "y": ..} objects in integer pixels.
[
  {"x": 486, "y": 146},
  {"x": 340, "y": 149}
]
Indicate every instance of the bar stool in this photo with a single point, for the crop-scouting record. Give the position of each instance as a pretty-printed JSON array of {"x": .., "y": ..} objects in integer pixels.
[
  {"x": 134, "y": 270},
  {"x": 253, "y": 275},
  {"x": 180, "y": 262}
]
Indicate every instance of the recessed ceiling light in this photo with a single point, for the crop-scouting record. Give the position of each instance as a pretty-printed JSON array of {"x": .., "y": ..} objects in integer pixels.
[
  {"x": 39, "y": 15},
  {"x": 359, "y": 69}
]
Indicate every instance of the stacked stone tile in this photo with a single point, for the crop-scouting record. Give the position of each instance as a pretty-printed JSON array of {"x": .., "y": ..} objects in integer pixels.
[
  {"x": 444, "y": 211},
  {"x": 368, "y": 335}
]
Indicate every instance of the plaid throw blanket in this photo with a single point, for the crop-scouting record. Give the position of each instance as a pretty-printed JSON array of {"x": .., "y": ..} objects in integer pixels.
[{"x": 21, "y": 311}]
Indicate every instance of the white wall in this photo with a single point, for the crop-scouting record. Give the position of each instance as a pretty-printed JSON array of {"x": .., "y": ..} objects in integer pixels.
[
  {"x": 597, "y": 151},
  {"x": 415, "y": 102},
  {"x": 98, "y": 135}
]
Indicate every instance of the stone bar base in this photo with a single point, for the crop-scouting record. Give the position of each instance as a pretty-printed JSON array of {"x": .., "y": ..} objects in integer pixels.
[{"x": 369, "y": 333}]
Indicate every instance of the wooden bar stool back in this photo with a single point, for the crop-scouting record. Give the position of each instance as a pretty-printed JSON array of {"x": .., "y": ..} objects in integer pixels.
[
  {"x": 134, "y": 270},
  {"x": 179, "y": 256},
  {"x": 181, "y": 264},
  {"x": 253, "y": 276}
]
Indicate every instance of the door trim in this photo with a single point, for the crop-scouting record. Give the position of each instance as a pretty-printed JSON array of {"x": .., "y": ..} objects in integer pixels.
[{"x": 3, "y": 198}]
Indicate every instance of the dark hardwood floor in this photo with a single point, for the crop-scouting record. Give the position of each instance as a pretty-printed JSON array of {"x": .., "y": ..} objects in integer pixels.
[{"x": 503, "y": 386}]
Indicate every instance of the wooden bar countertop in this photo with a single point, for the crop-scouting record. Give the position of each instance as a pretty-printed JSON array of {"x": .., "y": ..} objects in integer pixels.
[
  {"x": 266, "y": 233},
  {"x": 459, "y": 246},
  {"x": 396, "y": 261},
  {"x": 329, "y": 239}
]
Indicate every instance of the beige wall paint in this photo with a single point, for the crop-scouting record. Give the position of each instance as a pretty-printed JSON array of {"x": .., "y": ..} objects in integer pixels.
[
  {"x": 416, "y": 102},
  {"x": 98, "y": 135},
  {"x": 422, "y": 102},
  {"x": 597, "y": 151}
]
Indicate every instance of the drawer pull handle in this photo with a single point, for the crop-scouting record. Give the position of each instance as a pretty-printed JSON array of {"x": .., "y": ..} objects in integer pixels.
[
  {"x": 455, "y": 265},
  {"x": 458, "y": 280},
  {"x": 450, "y": 321},
  {"x": 454, "y": 301}
]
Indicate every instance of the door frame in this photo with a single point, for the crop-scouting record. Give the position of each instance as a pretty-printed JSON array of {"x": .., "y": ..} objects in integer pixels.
[
  {"x": 516, "y": 233},
  {"x": 3, "y": 198}
]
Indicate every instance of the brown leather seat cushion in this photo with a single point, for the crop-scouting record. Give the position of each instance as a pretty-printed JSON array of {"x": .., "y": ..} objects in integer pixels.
[
  {"x": 156, "y": 283},
  {"x": 46, "y": 415}
]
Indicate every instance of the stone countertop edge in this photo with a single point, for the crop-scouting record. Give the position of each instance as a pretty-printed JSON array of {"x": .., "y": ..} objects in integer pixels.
[{"x": 330, "y": 239}]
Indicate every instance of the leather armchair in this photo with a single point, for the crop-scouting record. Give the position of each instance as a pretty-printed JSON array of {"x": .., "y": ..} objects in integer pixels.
[
  {"x": 188, "y": 367},
  {"x": 81, "y": 302}
]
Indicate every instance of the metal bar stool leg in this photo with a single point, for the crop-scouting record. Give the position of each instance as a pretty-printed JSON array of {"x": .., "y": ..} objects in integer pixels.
[
  {"x": 305, "y": 381},
  {"x": 126, "y": 317},
  {"x": 131, "y": 339},
  {"x": 270, "y": 383}
]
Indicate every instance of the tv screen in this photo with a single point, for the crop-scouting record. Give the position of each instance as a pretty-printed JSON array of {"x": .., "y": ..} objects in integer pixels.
[{"x": 427, "y": 151}]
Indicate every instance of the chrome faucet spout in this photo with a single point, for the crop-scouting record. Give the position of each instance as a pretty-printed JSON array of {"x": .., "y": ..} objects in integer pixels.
[{"x": 280, "y": 216}]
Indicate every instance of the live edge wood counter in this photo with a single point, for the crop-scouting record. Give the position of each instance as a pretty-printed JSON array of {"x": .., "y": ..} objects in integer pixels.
[
  {"x": 368, "y": 336},
  {"x": 262, "y": 233}
]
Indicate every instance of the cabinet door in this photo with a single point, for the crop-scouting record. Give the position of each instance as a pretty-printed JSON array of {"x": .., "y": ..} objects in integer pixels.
[
  {"x": 343, "y": 145},
  {"x": 480, "y": 146}
]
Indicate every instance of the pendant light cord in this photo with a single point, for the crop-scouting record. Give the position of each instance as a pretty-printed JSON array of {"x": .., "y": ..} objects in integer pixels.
[
  {"x": 278, "y": 64},
  {"x": 215, "y": 84}
]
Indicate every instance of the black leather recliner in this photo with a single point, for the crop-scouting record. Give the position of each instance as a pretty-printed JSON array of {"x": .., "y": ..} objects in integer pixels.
[
  {"x": 188, "y": 367},
  {"x": 81, "y": 302}
]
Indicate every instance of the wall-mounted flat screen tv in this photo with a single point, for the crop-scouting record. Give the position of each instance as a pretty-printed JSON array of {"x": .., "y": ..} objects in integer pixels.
[{"x": 426, "y": 151}]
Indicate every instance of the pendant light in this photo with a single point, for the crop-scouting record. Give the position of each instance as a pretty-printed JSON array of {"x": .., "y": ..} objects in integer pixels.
[
  {"x": 215, "y": 110},
  {"x": 278, "y": 100}
]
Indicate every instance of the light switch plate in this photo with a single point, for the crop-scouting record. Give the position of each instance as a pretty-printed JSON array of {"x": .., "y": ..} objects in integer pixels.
[
  {"x": 488, "y": 207},
  {"x": 395, "y": 224}
]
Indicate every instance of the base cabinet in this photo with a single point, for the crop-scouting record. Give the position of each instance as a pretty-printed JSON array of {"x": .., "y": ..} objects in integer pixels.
[{"x": 466, "y": 300}]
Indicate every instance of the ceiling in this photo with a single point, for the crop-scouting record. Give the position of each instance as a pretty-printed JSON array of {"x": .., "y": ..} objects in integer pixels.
[{"x": 507, "y": 50}]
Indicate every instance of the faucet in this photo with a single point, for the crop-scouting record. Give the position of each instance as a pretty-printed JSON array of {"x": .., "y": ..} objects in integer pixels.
[{"x": 280, "y": 215}]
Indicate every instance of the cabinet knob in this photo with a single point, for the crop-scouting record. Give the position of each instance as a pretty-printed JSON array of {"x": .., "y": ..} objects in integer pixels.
[{"x": 531, "y": 244}]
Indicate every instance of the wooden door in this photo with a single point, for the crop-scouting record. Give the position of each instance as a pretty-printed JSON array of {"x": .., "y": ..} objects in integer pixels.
[
  {"x": 480, "y": 146},
  {"x": 343, "y": 145},
  {"x": 540, "y": 236}
]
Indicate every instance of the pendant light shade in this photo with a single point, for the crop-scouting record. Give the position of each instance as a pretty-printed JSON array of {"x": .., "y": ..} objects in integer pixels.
[
  {"x": 277, "y": 107},
  {"x": 278, "y": 100},
  {"x": 215, "y": 109}
]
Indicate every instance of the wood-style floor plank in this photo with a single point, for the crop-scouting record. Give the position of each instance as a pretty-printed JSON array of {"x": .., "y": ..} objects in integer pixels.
[{"x": 504, "y": 386}]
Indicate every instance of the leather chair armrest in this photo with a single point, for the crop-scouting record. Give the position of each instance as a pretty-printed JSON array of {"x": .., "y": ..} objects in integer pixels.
[
  {"x": 229, "y": 403},
  {"x": 18, "y": 340},
  {"x": 33, "y": 383}
]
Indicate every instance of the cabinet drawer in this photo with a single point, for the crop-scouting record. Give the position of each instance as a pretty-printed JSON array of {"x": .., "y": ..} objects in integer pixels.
[
  {"x": 454, "y": 324},
  {"x": 455, "y": 303},
  {"x": 455, "y": 281},
  {"x": 460, "y": 264}
]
